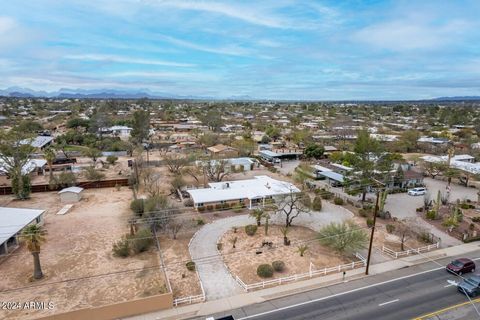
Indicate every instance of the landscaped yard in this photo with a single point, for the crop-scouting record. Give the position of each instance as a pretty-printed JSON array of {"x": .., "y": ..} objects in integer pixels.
[
  {"x": 77, "y": 260},
  {"x": 244, "y": 259}
]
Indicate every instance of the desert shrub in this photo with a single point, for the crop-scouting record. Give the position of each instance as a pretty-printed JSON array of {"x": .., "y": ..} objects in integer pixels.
[
  {"x": 141, "y": 241},
  {"x": 317, "y": 203},
  {"x": 363, "y": 213},
  {"x": 201, "y": 209},
  {"x": 278, "y": 265},
  {"x": 200, "y": 222},
  {"x": 112, "y": 159},
  {"x": 476, "y": 219},
  {"x": 237, "y": 207},
  {"x": 121, "y": 248},
  {"x": 390, "y": 228},
  {"x": 188, "y": 202},
  {"x": 219, "y": 246},
  {"x": 465, "y": 206},
  {"x": 250, "y": 229},
  {"x": 420, "y": 209},
  {"x": 265, "y": 271},
  {"x": 93, "y": 174},
  {"x": 190, "y": 265},
  {"x": 218, "y": 206},
  {"x": 431, "y": 215},
  {"x": 209, "y": 208},
  {"x": 369, "y": 222},
  {"x": 326, "y": 195},
  {"x": 338, "y": 201},
  {"x": 137, "y": 206}
]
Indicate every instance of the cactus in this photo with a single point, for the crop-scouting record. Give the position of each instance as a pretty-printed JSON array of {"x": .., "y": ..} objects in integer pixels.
[
  {"x": 383, "y": 199},
  {"x": 438, "y": 202}
]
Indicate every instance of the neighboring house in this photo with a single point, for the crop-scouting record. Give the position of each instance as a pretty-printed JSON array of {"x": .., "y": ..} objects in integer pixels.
[
  {"x": 39, "y": 142},
  {"x": 221, "y": 150},
  {"x": 119, "y": 131},
  {"x": 32, "y": 166},
  {"x": 12, "y": 222},
  {"x": 250, "y": 193},
  {"x": 433, "y": 140},
  {"x": 462, "y": 162},
  {"x": 71, "y": 194},
  {"x": 279, "y": 155},
  {"x": 233, "y": 164}
]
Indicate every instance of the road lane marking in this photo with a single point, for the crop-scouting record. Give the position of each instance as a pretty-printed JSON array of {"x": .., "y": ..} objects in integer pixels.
[
  {"x": 449, "y": 285},
  {"x": 343, "y": 293},
  {"x": 388, "y": 302},
  {"x": 432, "y": 314}
]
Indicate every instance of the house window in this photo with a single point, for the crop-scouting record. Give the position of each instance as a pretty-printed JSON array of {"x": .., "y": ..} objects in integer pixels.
[
  {"x": 241, "y": 201},
  {"x": 222, "y": 202},
  {"x": 199, "y": 204}
]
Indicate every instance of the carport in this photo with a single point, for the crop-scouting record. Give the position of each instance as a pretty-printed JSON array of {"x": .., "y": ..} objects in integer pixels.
[{"x": 334, "y": 179}]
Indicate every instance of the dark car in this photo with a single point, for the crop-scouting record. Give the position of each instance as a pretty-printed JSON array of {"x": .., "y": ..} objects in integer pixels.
[
  {"x": 470, "y": 286},
  {"x": 461, "y": 266}
]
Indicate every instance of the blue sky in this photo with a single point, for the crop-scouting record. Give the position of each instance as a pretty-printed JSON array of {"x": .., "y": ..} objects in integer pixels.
[{"x": 263, "y": 49}]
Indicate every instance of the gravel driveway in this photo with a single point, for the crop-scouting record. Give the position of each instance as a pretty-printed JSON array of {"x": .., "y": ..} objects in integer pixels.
[{"x": 216, "y": 279}]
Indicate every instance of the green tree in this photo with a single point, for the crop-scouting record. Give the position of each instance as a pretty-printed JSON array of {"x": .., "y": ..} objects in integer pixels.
[
  {"x": 273, "y": 132},
  {"x": 343, "y": 237},
  {"x": 15, "y": 151},
  {"x": 34, "y": 236},
  {"x": 92, "y": 153},
  {"x": 50, "y": 156},
  {"x": 314, "y": 151},
  {"x": 140, "y": 126}
]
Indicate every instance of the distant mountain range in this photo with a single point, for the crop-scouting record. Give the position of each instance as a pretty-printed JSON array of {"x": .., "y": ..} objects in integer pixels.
[
  {"x": 66, "y": 93},
  {"x": 461, "y": 98}
]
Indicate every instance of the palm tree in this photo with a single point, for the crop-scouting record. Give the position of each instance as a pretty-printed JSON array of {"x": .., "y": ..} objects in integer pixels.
[
  {"x": 258, "y": 215},
  {"x": 33, "y": 235},
  {"x": 284, "y": 231},
  {"x": 50, "y": 156}
]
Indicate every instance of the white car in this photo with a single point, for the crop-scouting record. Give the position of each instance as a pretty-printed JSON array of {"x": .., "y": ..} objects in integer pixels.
[{"x": 417, "y": 191}]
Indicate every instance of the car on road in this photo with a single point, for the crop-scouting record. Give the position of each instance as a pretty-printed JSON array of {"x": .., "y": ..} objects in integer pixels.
[
  {"x": 417, "y": 191},
  {"x": 461, "y": 266},
  {"x": 470, "y": 286}
]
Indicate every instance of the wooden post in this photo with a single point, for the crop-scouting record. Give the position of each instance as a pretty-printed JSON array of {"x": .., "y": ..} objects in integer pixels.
[{"x": 373, "y": 233}]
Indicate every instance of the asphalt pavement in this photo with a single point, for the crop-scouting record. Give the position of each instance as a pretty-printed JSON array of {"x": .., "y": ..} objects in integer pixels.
[{"x": 402, "y": 294}]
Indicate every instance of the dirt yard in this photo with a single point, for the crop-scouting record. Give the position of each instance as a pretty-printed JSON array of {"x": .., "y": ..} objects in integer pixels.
[
  {"x": 175, "y": 255},
  {"x": 77, "y": 256},
  {"x": 243, "y": 260}
]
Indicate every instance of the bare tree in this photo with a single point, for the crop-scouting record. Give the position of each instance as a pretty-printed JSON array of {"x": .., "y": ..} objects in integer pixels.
[
  {"x": 407, "y": 229},
  {"x": 215, "y": 170},
  {"x": 176, "y": 163},
  {"x": 291, "y": 205},
  {"x": 175, "y": 225}
]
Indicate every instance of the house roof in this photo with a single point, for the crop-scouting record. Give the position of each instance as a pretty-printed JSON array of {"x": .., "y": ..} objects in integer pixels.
[
  {"x": 71, "y": 189},
  {"x": 259, "y": 187},
  {"x": 332, "y": 175},
  {"x": 219, "y": 148},
  {"x": 38, "y": 141},
  {"x": 30, "y": 166},
  {"x": 13, "y": 220}
]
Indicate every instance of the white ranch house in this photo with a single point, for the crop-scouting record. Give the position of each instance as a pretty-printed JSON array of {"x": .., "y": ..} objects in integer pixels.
[{"x": 250, "y": 193}]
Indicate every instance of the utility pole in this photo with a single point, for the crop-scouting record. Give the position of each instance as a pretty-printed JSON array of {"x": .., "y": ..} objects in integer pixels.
[{"x": 372, "y": 233}]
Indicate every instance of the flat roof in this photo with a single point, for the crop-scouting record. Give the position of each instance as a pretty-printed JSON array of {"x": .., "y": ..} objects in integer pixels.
[
  {"x": 332, "y": 175},
  {"x": 71, "y": 189},
  {"x": 258, "y": 187},
  {"x": 13, "y": 220},
  {"x": 320, "y": 168},
  {"x": 270, "y": 153},
  {"x": 38, "y": 141}
]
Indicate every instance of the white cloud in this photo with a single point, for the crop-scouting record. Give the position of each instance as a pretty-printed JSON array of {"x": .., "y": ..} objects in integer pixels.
[
  {"x": 232, "y": 50},
  {"x": 6, "y": 24},
  {"x": 400, "y": 35},
  {"x": 122, "y": 59}
]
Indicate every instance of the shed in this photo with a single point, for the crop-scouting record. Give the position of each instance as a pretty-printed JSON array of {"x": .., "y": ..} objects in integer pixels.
[{"x": 71, "y": 194}]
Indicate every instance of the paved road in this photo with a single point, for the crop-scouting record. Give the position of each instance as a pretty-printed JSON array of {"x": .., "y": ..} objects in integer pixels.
[
  {"x": 401, "y": 294},
  {"x": 216, "y": 279}
]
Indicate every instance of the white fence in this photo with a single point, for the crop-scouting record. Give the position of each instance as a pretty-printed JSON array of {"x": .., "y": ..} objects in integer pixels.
[
  {"x": 191, "y": 299},
  {"x": 349, "y": 266},
  {"x": 396, "y": 254}
]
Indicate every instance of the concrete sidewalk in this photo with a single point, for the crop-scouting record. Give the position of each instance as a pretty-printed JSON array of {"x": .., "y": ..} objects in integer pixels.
[{"x": 238, "y": 301}]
